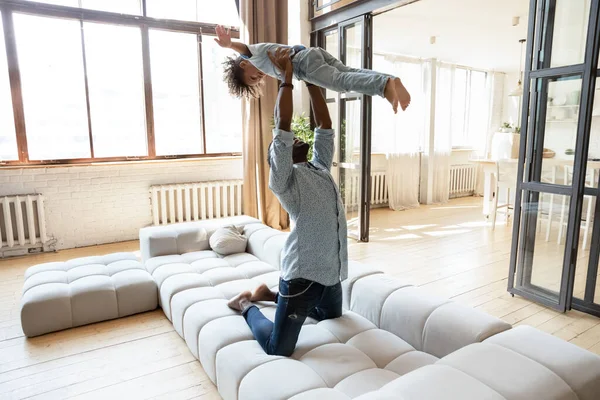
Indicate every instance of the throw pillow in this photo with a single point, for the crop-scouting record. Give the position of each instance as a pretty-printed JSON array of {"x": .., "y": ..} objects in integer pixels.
[{"x": 228, "y": 240}]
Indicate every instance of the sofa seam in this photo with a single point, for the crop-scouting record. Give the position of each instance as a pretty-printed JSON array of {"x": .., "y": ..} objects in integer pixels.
[
  {"x": 427, "y": 321},
  {"x": 385, "y": 301}
]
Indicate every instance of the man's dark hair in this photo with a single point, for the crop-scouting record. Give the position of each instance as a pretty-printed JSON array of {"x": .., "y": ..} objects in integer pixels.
[{"x": 233, "y": 75}]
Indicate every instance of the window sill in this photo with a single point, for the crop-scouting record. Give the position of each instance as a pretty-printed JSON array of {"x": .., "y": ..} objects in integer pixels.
[{"x": 70, "y": 163}]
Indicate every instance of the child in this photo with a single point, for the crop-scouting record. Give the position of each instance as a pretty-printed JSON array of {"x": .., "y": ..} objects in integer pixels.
[{"x": 245, "y": 73}]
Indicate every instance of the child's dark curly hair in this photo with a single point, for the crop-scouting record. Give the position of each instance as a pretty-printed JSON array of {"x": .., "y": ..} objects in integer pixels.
[{"x": 233, "y": 74}]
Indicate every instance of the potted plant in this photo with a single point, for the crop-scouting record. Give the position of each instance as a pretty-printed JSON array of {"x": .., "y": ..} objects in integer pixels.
[
  {"x": 506, "y": 127},
  {"x": 301, "y": 129}
]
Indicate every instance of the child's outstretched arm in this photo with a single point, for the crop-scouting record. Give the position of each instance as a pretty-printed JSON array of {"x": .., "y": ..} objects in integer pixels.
[{"x": 223, "y": 39}]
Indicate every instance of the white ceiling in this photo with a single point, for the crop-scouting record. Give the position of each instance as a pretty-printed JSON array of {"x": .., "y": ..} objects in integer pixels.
[{"x": 475, "y": 33}]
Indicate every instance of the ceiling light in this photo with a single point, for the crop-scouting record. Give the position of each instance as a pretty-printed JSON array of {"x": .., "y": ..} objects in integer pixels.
[{"x": 518, "y": 91}]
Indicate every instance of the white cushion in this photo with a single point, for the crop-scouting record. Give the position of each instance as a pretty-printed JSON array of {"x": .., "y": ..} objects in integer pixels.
[
  {"x": 185, "y": 299},
  {"x": 218, "y": 334},
  {"x": 63, "y": 295},
  {"x": 579, "y": 368},
  {"x": 228, "y": 240},
  {"x": 453, "y": 326},
  {"x": 347, "y": 326},
  {"x": 321, "y": 394},
  {"x": 234, "y": 362},
  {"x": 365, "y": 381},
  {"x": 370, "y": 293},
  {"x": 381, "y": 346},
  {"x": 410, "y": 361},
  {"x": 311, "y": 337},
  {"x": 435, "y": 382},
  {"x": 406, "y": 311},
  {"x": 279, "y": 380},
  {"x": 514, "y": 376},
  {"x": 333, "y": 362}
]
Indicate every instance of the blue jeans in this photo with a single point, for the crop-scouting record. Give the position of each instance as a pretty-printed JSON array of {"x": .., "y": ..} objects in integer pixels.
[
  {"x": 320, "y": 68},
  {"x": 297, "y": 299}
]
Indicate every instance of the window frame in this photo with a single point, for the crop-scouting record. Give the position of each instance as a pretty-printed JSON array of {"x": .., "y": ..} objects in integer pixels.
[{"x": 8, "y": 7}]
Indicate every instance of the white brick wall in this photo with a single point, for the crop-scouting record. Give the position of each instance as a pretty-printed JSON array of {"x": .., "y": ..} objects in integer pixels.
[{"x": 90, "y": 205}]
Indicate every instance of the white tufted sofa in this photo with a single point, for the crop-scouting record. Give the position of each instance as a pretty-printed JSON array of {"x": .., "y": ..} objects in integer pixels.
[{"x": 394, "y": 341}]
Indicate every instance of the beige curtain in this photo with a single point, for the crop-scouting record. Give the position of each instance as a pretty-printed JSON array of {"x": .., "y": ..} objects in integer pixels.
[{"x": 262, "y": 21}]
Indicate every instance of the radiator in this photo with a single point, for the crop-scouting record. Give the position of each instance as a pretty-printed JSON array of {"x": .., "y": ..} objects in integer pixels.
[
  {"x": 23, "y": 225},
  {"x": 462, "y": 180},
  {"x": 379, "y": 191},
  {"x": 195, "y": 201}
]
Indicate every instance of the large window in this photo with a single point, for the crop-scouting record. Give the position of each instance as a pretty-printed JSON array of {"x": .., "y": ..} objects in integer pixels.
[
  {"x": 176, "y": 93},
  {"x": 223, "y": 116},
  {"x": 116, "y": 89},
  {"x": 462, "y": 105},
  {"x": 8, "y": 139},
  {"x": 195, "y": 10},
  {"x": 53, "y": 85},
  {"x": 96, "y": 86}
]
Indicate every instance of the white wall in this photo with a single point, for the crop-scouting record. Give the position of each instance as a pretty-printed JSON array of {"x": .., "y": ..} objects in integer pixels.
[{"x": 90, "y": 205}]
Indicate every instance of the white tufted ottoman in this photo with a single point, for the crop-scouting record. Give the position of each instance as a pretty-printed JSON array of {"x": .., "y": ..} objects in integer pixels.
[{"x": 82, "y": 291}]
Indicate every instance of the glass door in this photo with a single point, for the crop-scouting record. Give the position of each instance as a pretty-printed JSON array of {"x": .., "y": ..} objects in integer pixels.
[
  {"x": 553, "y": 162},
  {"x": 349, "y": 114},
  {"x": 352, "y": 54},
  {"x": 586, "y": 291}
]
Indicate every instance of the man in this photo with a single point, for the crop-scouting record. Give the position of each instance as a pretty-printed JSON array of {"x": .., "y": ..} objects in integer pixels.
[{"x": 315, "y": 255}]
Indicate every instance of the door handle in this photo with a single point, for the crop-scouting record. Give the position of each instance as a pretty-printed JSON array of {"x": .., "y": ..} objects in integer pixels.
[{"x": 334, "y": 164}]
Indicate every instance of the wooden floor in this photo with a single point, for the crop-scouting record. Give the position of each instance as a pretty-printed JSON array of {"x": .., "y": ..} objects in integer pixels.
[{"x": 448, "y": 250}]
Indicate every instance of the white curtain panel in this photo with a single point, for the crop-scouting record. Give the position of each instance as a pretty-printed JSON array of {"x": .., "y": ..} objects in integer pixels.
[
  {"x": 399, "y": 136},
  {"x": 403, "y": 175},
  {"x": 443, "y": 134}
]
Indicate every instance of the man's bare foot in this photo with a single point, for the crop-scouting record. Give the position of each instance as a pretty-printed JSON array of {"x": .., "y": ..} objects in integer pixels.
[
  {"x": 263, "y": 293},
  {"x": 390, "y": 94},
  {"x": 241, "y": 301},
  {"x": 402, "y": 94}
]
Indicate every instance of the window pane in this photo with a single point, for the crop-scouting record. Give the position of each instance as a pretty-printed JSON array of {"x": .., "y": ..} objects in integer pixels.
[
  {"x": 223, "y": 113},
  {"x": 459, "y": 106},
  {"x": 332, "y": 46},
  {"x": 353, "y": 46},
  {"x": 222, "y": 12},
  {"x": 225, "y": 13},
  {"x": 116, "y": 89},
  {"x": 173, "y": 9},
  {"x": 117, "y": 6},
  {"x": 562, "y": 117},
  {"x": 8, "y": 138},
  {"x": 570, "y": 31},
  {"x": 176, "y": 93},
  {"x": 592, "y": 174},
  {"x": 53, "y": 87},
  {"x": 70, "y": 3}
]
